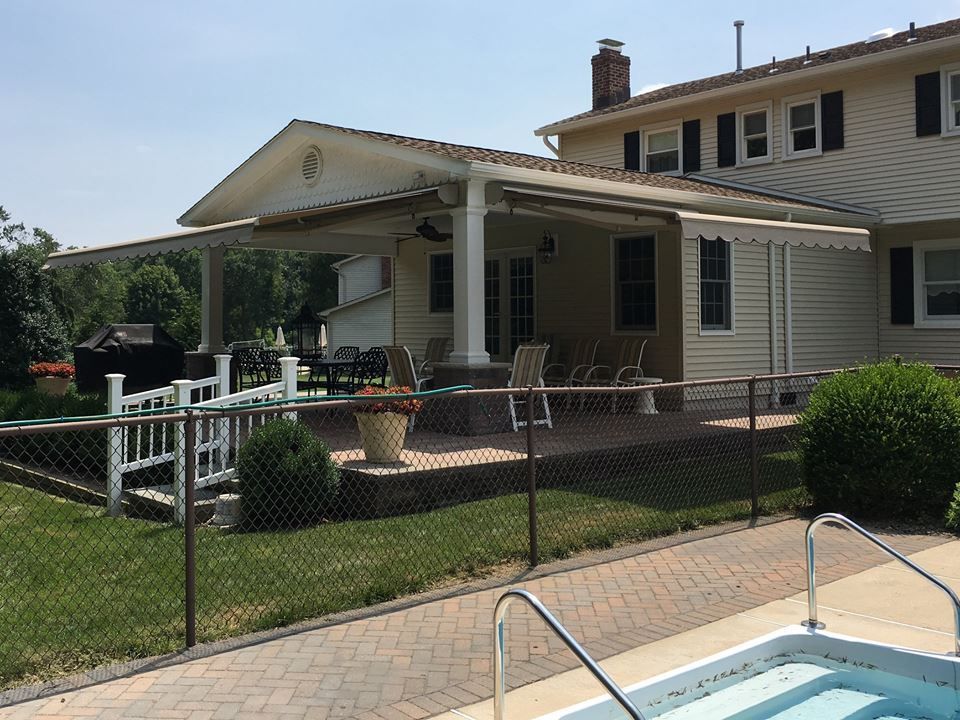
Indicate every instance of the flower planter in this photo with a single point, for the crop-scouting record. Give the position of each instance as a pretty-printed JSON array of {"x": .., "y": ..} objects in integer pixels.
[
  {"x": 382, "y": 434},
  {"x": 50, "y": 385}
]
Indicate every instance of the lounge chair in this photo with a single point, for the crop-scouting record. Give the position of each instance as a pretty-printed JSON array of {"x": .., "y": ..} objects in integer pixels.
[
  {"x": 436, "y": 352},
  {"x": 403, "y": 373},
  {"x": 625, "y": 372},
  {"x": 583, "y": 357},
  {"x": 528, "y": 372}
]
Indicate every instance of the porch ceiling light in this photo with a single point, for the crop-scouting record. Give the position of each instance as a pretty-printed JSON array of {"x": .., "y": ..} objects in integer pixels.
[{"x": 547, "y": 248}]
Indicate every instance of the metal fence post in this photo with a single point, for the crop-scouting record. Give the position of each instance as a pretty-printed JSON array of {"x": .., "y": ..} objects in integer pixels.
[
  {"x": 189, "y": 529},
  {"x": 181, "y": 398},
  {"x": 754, "y": 457},
  {"x": 115, "y": 449},
  {"x": 532, "y": 481}
]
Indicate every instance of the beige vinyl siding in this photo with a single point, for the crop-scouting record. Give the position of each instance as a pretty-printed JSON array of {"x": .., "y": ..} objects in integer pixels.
[
  {"x": 358, "y": 277},
  {"x": 366, "y": 323},
  {"x": 834, "y": 307},
  {"x": 883, "y": 164},
  {"x": 414, "y": 324},
  {"x": 935, "y": 345},
  {"x": 573, "y": 292},
  {"x": 747, "y": 351}
]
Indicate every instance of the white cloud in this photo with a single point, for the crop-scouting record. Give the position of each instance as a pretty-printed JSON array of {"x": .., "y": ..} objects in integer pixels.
[
  {"x": 651, "y": 87},
  {"x": 143, "y": 149}
]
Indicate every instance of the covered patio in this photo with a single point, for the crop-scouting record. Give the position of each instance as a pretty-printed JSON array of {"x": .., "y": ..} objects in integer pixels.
[{"x": 519, "y": 248}]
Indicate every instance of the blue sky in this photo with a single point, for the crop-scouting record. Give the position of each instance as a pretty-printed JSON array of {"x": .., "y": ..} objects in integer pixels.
[{"x": 116, "y": 116}]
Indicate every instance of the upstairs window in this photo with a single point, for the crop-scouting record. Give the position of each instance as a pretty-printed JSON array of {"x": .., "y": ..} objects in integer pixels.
[
  {"x": 951, "y": 99},
  {"x": 716, "y": 286},
  {"x": 441, "y": 282},
  {"x": 801, "y": 123},
  {"x": 635, "y": 283},
  {"x": 661, "y": 150},
  {"x": 937, "y": 266},
  {"x": 753, "y": 138}
]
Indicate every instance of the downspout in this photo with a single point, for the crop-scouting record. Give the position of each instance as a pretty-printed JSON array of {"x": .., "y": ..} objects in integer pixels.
[
  {"x": 553, "y": 148},
  {"x": 787, "y": 311},
  {"x": 774, "y": 359},
  {"x": 772, "y": 270}
]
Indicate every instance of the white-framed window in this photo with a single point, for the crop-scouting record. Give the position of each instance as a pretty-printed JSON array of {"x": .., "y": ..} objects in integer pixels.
[
  {"x": 950, "y": 98},
  {"x": 936, "y": 283},
  {"x": 801, "y": 126},
  {"x": 662, "y": 150},
  {"x": 634, "y": 266},
  {"x": 441, "y": 282},
  {"x": 716, "y": 287},
  {"x": 754, "y": 134}
]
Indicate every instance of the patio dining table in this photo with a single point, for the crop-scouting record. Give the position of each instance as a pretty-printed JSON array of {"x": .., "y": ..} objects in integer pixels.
[{"x": 331, "y": 368}]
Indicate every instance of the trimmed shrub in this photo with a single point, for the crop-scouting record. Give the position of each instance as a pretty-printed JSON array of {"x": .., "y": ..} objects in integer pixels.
[
  {"x": 883, "y": 442},
  {"x": 73, "y": 453},
  {"x": 286, "y": 476}
]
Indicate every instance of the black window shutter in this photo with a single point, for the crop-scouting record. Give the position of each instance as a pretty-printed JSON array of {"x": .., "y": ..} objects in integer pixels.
[
  {"x": 831, "y": 120},
  {"x": 691, "y": 146},
  {"x": 901, "y": 286},
  {"x": 726, "y": 140},
  {"x": 928, "y": 103},
  {"x": 631, "y": 150}
]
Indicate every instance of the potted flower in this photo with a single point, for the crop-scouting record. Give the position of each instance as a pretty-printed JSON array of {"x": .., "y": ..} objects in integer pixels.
[
  {"x": 383, "y": 425},
  {"x": 52, "y": 378}
]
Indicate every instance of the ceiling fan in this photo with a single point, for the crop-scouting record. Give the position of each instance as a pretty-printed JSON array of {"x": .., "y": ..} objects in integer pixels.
[{"x": 428, "y": 232}]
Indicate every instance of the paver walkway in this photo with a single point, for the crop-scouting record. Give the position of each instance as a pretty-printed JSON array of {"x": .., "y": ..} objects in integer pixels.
[{"x": 423, "y": 660}]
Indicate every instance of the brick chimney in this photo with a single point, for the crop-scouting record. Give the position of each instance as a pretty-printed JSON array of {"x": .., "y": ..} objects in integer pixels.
[
  {"x": 386, "y": 272},
  {"x": 611, "y": 74}
]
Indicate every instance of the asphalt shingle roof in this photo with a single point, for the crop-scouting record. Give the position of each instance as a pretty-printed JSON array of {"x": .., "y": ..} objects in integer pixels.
[
  {"x": 536, "y": 162},
  {"x": 818, "y": 58}
]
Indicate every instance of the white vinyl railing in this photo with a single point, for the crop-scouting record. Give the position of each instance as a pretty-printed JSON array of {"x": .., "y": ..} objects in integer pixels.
[
  {"x": 136, "y": 447},
  {"x": 219, "y": 438}
]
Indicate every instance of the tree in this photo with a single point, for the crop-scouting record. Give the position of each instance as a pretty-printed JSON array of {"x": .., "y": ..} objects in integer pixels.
[
  {"x": 154, "y": 295},
  {"x": 30, "y": 325}
]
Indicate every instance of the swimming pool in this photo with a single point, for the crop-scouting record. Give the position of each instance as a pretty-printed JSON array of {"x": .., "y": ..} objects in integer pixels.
[{"x": 796, "y": 674}]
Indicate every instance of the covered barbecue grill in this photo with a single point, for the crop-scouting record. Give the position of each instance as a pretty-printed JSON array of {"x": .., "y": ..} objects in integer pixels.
[{"x": 146, "y": 354}]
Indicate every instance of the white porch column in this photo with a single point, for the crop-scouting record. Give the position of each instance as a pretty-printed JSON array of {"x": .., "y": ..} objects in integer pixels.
[
  {"x": 211, "y": 301},
  {"x": 468, "y": 290}
]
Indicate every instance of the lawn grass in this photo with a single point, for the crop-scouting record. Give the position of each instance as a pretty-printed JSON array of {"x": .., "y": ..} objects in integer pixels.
[{"x": 79, "y": 589}]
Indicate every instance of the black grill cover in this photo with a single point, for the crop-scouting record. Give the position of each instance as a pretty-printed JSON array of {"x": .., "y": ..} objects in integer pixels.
[{"x": 146, "y": 354}]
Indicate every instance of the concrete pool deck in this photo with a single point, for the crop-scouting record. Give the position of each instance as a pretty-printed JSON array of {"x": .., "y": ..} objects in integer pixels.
[
  {"x": 641, "y": 610},
  {"x": 888, "y": 604}
]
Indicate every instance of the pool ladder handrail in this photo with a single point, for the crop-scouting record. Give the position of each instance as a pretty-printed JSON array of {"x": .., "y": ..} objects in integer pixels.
[
  {"x": 838, "y": 519},
  {"x": 499, "y": 614}
]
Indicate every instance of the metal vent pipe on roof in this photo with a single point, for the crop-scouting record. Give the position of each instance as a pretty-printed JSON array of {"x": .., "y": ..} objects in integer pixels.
[{"x": 738, "y": 24}]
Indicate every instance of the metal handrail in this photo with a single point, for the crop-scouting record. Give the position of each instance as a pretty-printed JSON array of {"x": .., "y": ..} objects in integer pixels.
[
  {"x": 588, "y": 662},
  {"x": 812, "y": 621}
]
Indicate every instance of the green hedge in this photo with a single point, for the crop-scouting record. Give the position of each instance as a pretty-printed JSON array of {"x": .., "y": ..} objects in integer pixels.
[
  {"x": 286, "y": 476},
  {"x": 883, "y": 441},
  {"x": 80, "y": 452}
]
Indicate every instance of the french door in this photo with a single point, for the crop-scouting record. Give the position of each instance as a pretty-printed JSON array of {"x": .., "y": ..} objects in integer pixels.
[{"x": 509, "y": 302}]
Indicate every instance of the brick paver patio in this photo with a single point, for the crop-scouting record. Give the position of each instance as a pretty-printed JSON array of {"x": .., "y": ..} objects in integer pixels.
[{"x": 425, "y": 659}]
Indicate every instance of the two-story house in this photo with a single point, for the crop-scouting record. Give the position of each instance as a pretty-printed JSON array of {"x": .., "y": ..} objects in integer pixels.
[
  {"x": 363, "y": 316},
  {"x": 875, "y": 124},
  {"x": 796, "y": 215}
]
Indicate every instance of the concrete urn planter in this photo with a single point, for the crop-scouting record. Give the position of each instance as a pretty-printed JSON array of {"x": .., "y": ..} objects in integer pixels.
[
  {"x": 51, "y": 385},
  {"x": 382, "y": 435}
]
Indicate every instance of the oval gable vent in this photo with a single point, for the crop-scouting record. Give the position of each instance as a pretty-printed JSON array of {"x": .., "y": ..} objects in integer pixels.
[{"x": 311, "y": 166}]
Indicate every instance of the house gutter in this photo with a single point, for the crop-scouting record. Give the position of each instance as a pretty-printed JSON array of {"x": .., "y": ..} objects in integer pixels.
[
  {"x": 772, "y": 274},
  {"x": 787, "y": 311},
  {"x": 880, "y": 58}
]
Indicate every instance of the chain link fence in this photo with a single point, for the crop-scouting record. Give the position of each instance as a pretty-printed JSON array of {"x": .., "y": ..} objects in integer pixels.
[{"x": 231, "y": 521}]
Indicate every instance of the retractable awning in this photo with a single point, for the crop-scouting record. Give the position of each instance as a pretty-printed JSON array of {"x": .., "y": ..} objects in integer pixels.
[
  {"x": 720, "y": 227},
  {"x": 300, "y": 231}
]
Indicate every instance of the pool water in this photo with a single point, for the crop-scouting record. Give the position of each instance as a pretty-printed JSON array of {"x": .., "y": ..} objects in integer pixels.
[
  {"x": 796, "y": 674},
  {"x": 801, "y": 688}
]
